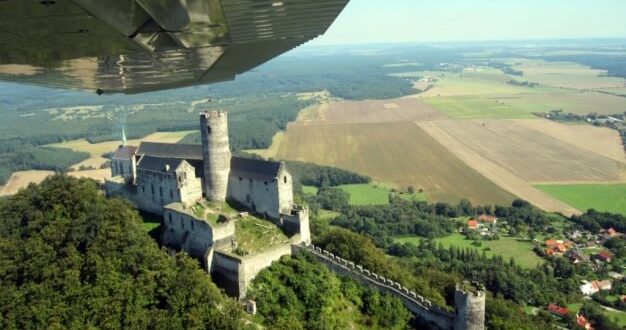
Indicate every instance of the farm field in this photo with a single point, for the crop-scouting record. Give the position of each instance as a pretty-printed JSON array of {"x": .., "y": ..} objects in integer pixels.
[
  {"x": 507, "y": 247},
  {"x": 584, "y": 136},
  {"x": 532, "y": 155},
  {"x": 401, "y": 154},
  {"x": 602, "y": 197},
  {"x": 565, "y": 74},
  {"x": 523, "y": 105},
  {"x": 272, "y": 150},
  {"x": 372, "y": 111},
  {"x": 483, "y": 82},
  {"x": 22, "y": 179},
  {"x": 479, "y": 106}
]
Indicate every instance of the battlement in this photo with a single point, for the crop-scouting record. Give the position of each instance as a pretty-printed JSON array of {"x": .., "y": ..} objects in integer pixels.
[
  {"x": 471, "y": 289},
  {"x": 215, "y": 114}
]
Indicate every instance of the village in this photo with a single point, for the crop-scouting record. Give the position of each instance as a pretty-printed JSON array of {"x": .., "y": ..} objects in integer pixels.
[{"x": 598, "y": 257}]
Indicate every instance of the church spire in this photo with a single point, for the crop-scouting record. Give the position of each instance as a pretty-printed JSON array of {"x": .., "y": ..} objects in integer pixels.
[{"x": 123, "y": 137}]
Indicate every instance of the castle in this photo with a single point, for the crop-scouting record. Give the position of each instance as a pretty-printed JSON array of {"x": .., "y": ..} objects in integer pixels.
[{"x": 193, "y": 186}]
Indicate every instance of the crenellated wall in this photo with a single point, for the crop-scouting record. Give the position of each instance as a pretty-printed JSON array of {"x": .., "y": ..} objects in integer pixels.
[{"x": 440, "y": 317}]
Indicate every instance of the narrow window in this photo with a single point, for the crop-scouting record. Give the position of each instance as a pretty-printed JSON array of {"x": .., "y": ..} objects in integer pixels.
[
  {"x": 171, "y": 194},
  {"x": 170, "y": 218},
  {"x": 192, "y": 225},
  {"x": 208, "y": 130},
  {"x": 161, "y": 191},
  {"x": 152, "y": 188},
  {"x": 285, "y": 179}
]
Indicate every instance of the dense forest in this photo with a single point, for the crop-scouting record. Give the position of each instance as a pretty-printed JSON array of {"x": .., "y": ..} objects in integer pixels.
[
  {"x": 299, "y": 293},
  {"x": 73, "y": 259}
]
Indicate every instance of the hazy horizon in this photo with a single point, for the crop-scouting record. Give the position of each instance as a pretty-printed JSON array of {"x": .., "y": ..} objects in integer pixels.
[{"x": 373, "y": 22}]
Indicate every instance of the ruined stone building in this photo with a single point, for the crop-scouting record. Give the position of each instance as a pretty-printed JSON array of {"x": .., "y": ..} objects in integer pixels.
[{"x": 189, "y": 184}]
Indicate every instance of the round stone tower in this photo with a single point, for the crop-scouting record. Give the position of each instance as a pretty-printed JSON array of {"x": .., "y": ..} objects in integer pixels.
[
  {"x": 469, "y": 299},
  {"x": 215, "y": 154}
]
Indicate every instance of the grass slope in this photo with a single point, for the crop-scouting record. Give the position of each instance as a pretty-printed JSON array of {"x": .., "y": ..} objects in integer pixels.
[
  {"x": 602, "y": 197},
  {"x": 507, "y": 247}
]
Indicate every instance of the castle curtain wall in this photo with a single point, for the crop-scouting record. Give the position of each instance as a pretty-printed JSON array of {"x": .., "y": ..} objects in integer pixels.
[{"x": 258, "y": 194}]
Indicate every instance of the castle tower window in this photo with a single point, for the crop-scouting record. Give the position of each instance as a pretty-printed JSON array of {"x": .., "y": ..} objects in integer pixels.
[
  {"x": 285, "y": 179},
  {"x": 192, "y": 225}
]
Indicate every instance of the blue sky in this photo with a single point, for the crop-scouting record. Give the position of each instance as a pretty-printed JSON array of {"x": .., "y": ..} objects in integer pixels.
[{"x": 374, "y": 21}]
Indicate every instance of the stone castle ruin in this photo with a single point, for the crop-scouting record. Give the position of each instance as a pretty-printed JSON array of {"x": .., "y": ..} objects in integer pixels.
[{"x": 193, "y": 186}]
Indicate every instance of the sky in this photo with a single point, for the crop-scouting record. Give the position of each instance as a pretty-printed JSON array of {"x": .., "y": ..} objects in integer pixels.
[{"x": 393, "y": 21}]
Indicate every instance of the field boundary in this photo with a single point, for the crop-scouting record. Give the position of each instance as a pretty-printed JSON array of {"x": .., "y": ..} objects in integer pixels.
[{"x": 497, "y": 174}]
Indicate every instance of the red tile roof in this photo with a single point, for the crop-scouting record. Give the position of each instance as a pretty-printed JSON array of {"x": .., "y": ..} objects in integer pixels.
[
  {"x": 558, "y": 310},
  {"x": 472, "y": 224},
  {"x": 605, "y": 255},
  {"x": 550, "y": 243},
  {"x": 611, "y": 231},
  {"x": 487, "y": 218}
]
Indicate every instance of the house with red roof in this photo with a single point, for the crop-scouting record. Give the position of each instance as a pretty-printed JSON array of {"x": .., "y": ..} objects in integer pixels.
[
  {"x": 583, "y": 322},
  {"x": 472, "y": 224},
  {"x": 488, "y": 219},
  {"x": 611, "y": 232},
  {"x": 605, "y": 256},
  {"x": 558, "y": 310}
]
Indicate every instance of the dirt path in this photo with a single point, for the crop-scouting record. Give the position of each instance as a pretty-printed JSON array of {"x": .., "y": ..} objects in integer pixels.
[{"x": 497, "y": 174}]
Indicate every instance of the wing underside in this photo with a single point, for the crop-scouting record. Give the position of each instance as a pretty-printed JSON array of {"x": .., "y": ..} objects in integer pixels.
[{"x": 133, "y": 46}]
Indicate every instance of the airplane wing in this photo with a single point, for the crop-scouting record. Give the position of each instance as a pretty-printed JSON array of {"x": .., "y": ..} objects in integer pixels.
[{"x": 134, "y": 46}]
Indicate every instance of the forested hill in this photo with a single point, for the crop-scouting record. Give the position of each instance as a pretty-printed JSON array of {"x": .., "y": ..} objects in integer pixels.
[{"x": 70, "y": 258}]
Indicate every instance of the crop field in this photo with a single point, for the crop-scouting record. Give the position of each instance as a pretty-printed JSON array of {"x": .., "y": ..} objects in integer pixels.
[
  {"x": 480, "y": 106},
  {"x": 532, "y": 155},
  {"x": 482, "y": 82},
  {"x": 371, "y": 194},
  {"x": 602, "y": 197},
  {"x": 374, "y": 111},
  {"x": 401, "y": 154},
  {"x": 566, "y": 75},
  {"x": 507, "y": 247},
  {"x": 600, "y": 140},
  {"x": 22, "y": 179}
]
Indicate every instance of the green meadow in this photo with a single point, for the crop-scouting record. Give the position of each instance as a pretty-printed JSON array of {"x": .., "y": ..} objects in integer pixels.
[
  {"x": 601, "y": 197},
  {"x": 368, "y": 194},
  {"x": 507, "y": 247}
]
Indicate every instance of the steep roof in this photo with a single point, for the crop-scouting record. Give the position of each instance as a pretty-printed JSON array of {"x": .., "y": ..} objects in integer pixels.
[
  {"x": 125, "y": 152},
  {"x": 159, "y": 164},
  {"x": 254, "y": 168},
  {"x": 171, "y": 150}
]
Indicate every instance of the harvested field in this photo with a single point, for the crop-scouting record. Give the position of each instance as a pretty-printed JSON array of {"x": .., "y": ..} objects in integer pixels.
[
  {"x": 373, "y": 111},
  {"x": 22, "y": 179},
  {"x": 398, "y": 153},
  {"x": 600, "y": 140},
  {"x": 496, "y": 173},
  {"x": 531, "y": 155}
]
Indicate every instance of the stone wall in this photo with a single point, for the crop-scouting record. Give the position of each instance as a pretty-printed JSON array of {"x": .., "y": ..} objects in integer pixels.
[
  {"x": 437, "y": 316},
  {"x": 297, "y": 223},
  {"x": 241, "y": 271},
  {"x": 215, "y": 153},
  {"x": 259, "y": 195},
  {"x": 470, "y": 307},
  {"x": 183, "y": 231},
  {"x": 285, "y": 190}
]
